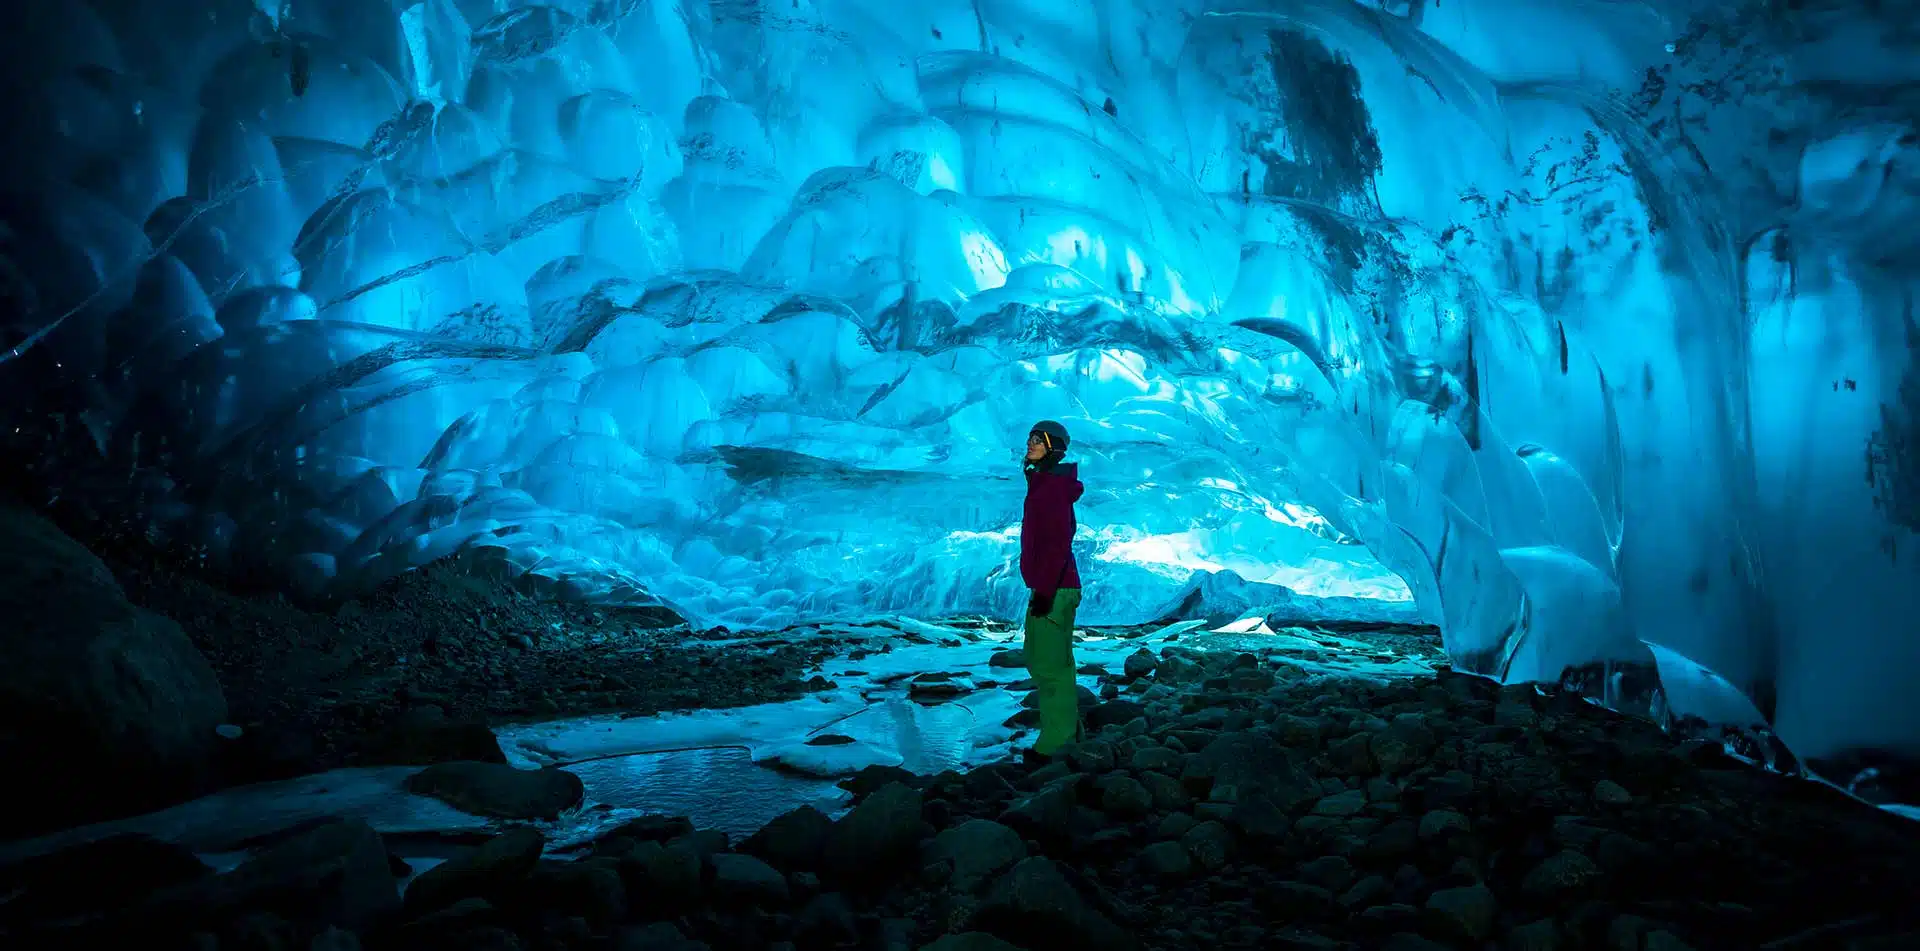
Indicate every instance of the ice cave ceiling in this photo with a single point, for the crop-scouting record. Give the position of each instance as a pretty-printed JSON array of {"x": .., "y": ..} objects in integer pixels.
[{"x": 1585, "y": 324}]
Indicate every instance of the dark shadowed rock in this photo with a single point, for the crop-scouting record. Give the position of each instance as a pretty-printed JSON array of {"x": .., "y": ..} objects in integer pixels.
[
  {"x": 1036, "y": 905},
  {"x": 970, "y": 941},
  {"x": 879, "y": 837},
  {"x": 793, "y": 840},
  {"x": 978, "y": 849},
  {"x": 423, "y": 736},
  {"x": 334, "y": 873},
  {"x": 484, "y": 872},
  {"x": 1250, "y": 763},
  {"x": 662, "y": 878},
  {"x": 659, "y": 936},
  {"x": 591, "y": 890},
  {"x": 1463, "y": 914},
  {"x": 96, "y": 876},
  {"x": 749, "y": 881},
  {"x": 828, "y": 921},
  {"x": 500, "y": 791},
  {"x": 123, "y": 705},
  {"x": 1113, "y": 713}
]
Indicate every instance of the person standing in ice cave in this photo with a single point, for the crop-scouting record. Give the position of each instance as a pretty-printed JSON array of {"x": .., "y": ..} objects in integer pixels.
[{"x": 1046, "y": 564}]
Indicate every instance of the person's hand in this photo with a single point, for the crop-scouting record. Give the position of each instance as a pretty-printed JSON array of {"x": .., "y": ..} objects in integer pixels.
[{"x": 1041, "y": 605}]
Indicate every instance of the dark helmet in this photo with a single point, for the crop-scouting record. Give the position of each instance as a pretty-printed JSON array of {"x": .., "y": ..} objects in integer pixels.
[{"x": 1054, "y": 434}]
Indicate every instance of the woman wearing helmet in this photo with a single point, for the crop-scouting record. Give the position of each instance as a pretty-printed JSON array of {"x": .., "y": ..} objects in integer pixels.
[{"x": 1047, "y": 566}]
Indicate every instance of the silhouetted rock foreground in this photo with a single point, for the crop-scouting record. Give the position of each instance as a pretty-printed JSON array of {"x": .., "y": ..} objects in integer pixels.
[
  {"x": 118, "y": 664},
  {"x": 1227, "y": 810}
]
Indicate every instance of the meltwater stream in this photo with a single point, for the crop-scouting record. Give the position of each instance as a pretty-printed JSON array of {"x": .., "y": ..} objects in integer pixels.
[{"x": 730, "y": 770}]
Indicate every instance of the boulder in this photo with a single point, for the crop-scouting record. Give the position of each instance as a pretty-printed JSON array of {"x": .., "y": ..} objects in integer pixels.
[
  {"x": 424, "y": 735},
  {"x": 878, "y": 838},
  {"x": 123, "y": 705},
  {"x": 499, "y": 791},
  {"x": 495, "y": 866},
  {"x": 94, "y": 876},
  {"x": 1036, "y": 904},
  {"x": 330, "y": 873}
]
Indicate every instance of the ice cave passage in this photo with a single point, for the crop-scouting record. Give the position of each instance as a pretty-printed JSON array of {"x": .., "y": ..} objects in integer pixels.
[{"x": 1583, "y": 331}]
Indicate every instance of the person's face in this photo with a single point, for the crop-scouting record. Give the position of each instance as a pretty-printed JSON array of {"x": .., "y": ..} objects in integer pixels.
[{"x": 1036, "y": 447}]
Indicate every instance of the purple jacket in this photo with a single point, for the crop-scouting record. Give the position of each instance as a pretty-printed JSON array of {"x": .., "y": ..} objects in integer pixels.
[{"x": 1047, "y": 527}]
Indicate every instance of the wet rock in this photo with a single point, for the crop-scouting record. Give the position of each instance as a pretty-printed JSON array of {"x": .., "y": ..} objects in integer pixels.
[
  {"x": 1406, "y": 743},
  {"x": 1012, "y": 657},
  {"x": 1139, "y": 664},
  {"x": 749, "y": 881},
  {"x": 978, "y": 849},
  {"x": 1443, "y": 822},
  {"x": 827, "y": 921},
  {"x": 423, "y": 735},
  {"x": 1124, "y": 797},
  {"x": 659, "y": 936},
  {"x": 879, "y": 837},
  {"x": 1259, "y": 819},
  {"x": 1349, "y": 803},
  {"x": 871, "y": 779},
  {"x": 1091, "y": 756},
  {"x": 486, "y": 871},
  {"x": 938, "y": 685},
  {"x": 793, "y": 840},
  {"x": 1168, "y": 792},
  {"x": 333, "y": 873},
  {"x": 1542, "y": 935},
  {"x": 663, "y": 878},
  {"x": 124, "y": 705},
  {"x": 335, "y": 939},
  {"x": 95, "y": 876},
  {"x": 1035, "y": 904},
  {"x": 1167, "y": 860},
  {"x": 1210, "y": 844},
  {"x": 654, "y": 828},
  {"x": 1463, "y": 914},
  {"x": 499, "y": 791},
  {"x": 1176, "y": 669},
  {"x": 1609, "y": 793},
  {"x": 1663, "y": 940},
  {"x": 592, "y": 890},
  {"x": 1352, "y": 755},
  {"x": 1331, "y": 872},
  {"x": 970, "y": 941},
  {"x": 1158, "y": 759},
  {"x": 1249, "y": 763},
  {"x": 1563, "y": 873},
  {"x": 1299, "y": 900},
  {"x": 1112, "y": 713},
  {"x": 431, "y": 929},
  {"x": 1367, "y": 892},
  {"x": 1045, "y": 812},
  {"x": 702, "y": 842}
]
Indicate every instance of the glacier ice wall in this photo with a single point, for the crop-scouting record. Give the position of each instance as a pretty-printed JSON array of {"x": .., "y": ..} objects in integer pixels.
[{"x": 1589, "y": 321}]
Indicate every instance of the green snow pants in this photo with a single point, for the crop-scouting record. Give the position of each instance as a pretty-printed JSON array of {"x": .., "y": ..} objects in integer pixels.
[{"x": 1049, "y": 650}]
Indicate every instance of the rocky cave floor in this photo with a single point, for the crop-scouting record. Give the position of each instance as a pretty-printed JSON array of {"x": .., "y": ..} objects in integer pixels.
[
  {"x": 446, "y": 652},
  {"x": 1220, "y": 800}
]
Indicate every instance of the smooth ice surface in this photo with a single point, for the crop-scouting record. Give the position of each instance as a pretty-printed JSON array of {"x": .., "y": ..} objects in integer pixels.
[{"x": 1584, "y": 326}]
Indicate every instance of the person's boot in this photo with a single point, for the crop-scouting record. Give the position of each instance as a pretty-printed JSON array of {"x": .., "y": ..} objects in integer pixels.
[{"x": 1033, "y": 759}]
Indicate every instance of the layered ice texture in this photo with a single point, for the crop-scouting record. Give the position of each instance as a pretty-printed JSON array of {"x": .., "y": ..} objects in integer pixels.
[{"x": 1584, "y": 325}]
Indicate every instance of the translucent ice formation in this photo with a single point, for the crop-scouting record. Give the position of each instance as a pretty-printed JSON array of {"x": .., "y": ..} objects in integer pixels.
[{"x": 1577, "y": 323}]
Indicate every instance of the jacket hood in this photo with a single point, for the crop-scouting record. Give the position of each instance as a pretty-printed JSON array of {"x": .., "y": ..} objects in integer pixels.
[{"x": 1063, "y": 477}]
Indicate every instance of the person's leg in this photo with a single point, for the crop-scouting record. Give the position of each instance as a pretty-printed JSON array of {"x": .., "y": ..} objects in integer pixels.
[{"x": 1049, "y": 650}]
